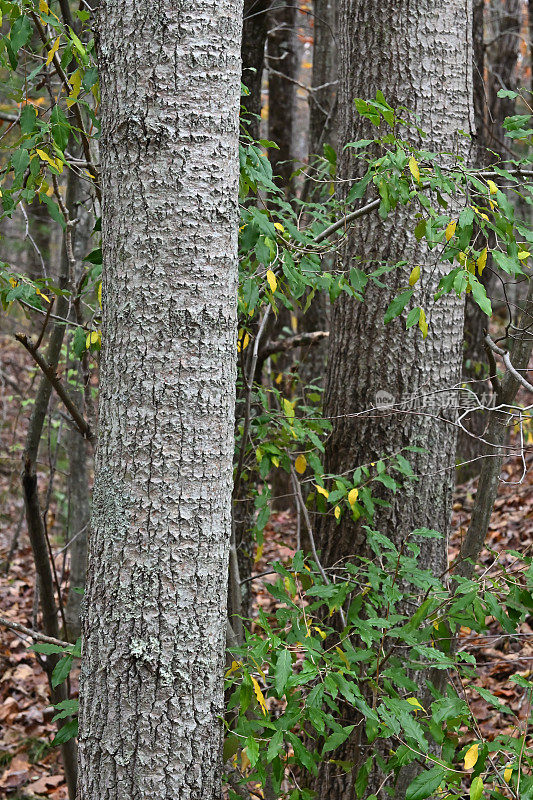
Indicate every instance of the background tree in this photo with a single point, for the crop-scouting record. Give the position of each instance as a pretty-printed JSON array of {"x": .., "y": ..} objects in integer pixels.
[{"x": 430, "y": 52}]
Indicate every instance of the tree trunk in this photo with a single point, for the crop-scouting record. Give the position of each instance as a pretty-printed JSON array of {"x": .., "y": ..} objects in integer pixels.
[
  {"x": 154, "y": 632},
  {"x": 78, "y": 521},
  {"x": 498, "y": 62},
  {"x": 282, "y": 53},
  {"x": 420, "y": 56},
  {"x": 254, "y": 34},
  {"x": 322, "y": 101},
  {"x": 322, "y": 130}
]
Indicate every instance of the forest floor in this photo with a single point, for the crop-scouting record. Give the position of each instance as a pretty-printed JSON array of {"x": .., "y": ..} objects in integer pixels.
[{"x": 30, "y": 767}]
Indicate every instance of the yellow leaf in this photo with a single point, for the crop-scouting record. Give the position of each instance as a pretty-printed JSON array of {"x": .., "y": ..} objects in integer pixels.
[
  {"x": 337, "y": 512},
  {"x": 288, "y": 409},
  {"x": 413, "y": 166},
  {"x": 461, "y": 257},
  {"x": 471, "y": 756},
  {"x": 234, "y": 665},
  {"x": 482, "y": 261},
  {"x": 414, "y": 702},
  {"x": 245, "y": 761},
  {"x": 38, "y": 291},
  {"x": 53, "y": 50},
  {"x": 275, "y": 461},
  {"x": 322, "y": 491},
  {"x": 259, "y": 695},
  {"x": 353, "y": 494},
  {"x": 294, "y": 322},
  {"x": 507, "y": 775},
  {"x": 414, "y": 276},
  {"x": 523, "y": 254},
  {"x": 272, "y": 280},
  {"x": 493, "y": 189},
  {"x": 301, "y": 464},
  {"x": 279, "y": 226},
  {"x": 320, "y": 632},
  {"x": 422, "y": 324},
  {"x": 99, "y": 294},
  {"x": 75, "y": 82},
  {"x": 53, "y": 162},
  {"x": 450, "y": 230},
  {"x": 343, "y": 656},
  {"x": 242, "y": 342},
  {"x": 92, "y": 338},
  {"x": 43, "y": 7},
  {"x": 279, "y": 377},
  {"x": 259, "y": 553}
]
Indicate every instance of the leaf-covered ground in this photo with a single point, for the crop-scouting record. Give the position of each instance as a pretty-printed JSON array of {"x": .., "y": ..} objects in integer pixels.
[{"x": 30, "y": 768}]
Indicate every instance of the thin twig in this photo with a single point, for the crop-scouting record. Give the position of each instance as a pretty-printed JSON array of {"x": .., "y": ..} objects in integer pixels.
[
  {"x": 507, "y": 361},
  {"x": 49, "y": 372},
  {"x": 38, "y": 637},
  {"x": 299, "y": 497}
]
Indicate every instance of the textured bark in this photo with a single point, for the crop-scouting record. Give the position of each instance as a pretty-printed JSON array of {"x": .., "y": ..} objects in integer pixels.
[
  {"x": 254, "y": 34},
  {"x": 322, "y": 103},
  {"x": 154, "y": 629},
  {"x": 282, "y": 53},
  {"x": 78, "y": 522},
  {"x": 505, "y": 19},
  {"x": 420, "y": 56}
]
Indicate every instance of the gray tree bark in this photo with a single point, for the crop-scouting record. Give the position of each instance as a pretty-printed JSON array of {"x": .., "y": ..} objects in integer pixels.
[
  {"x": 155, "y": 622},
  {"x": 420, "y": 55}
]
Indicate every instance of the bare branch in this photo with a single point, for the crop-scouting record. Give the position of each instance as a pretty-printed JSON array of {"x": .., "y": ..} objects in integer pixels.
[
  {"x": 50, "y": 373},
  {"x": 35, "y": 635}
]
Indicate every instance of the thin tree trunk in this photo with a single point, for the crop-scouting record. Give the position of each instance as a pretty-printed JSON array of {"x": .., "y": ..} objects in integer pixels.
[
  {"x": 323, "y": 129},
  {"x": 489, "y": 478},
  {"x": 154, "y": 633},
  {"x": 322, "y": 101},
  {"x": 498, "y": 62},
  {"x": 36, "y": 530},
  {"x": 78, "y": 522},
  {"x": 420, "y": 56},
  {"x": 282, "y": 55},
  {"x": 254, "y": 34}
]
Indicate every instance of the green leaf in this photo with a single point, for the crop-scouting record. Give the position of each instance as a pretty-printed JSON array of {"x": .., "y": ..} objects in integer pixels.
[
  {"x": 61, "y": 671},
  {"x": 60, "y": 127},
  {"x": 480, "y": 296},
  {"x": 27, "y": 119},
  {"x": 275, "y": 745},
  {"x": 252, "y": 750},
  {"x": 283, "y": 671},
  {"x": 20, "y": 161},
  {"x": 67, "y": 708},
  {"x": 337, "y": 738},
  {"x": 476, "y": 788},
  {"x": 21, "y": 31},
  {"x": 67, "y": 732},
  {"x": 362, "y": 778},
  {"x": 95, "y": 256},
  {"x": 397, "y": 305},
  {"x": 412, "y": 317},
  {"x": 425, "y": 784},
  {"x": 47, "y": 649}
]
